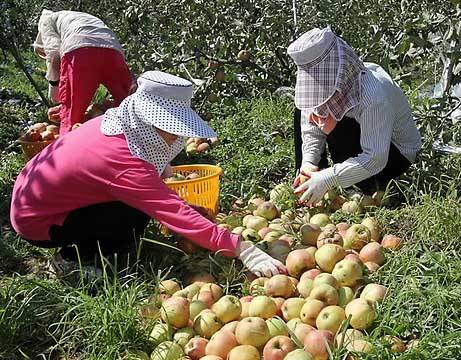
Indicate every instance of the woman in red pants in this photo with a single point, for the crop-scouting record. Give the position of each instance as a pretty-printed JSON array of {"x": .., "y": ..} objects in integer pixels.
[{"x": 81, "y": 53}]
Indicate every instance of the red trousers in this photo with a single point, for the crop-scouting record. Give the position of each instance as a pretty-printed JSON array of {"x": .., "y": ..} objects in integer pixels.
[{"x": 82, "y": 71}]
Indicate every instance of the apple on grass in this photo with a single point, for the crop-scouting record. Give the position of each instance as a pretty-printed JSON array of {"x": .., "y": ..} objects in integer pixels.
[
  {"x": 195, "y": 348},
  {"x": 299, "y": 354},
  {"x": 206, "y": 324},
  {"x": 311, "y": 310},
  {"x": 276, "y": 327},
  {"x": 279, "y": 286},
  {"x": 291, "y": 308},
  {"x": 299, "y": 261},
  {"x": 182, "y": 336},
  {"x": 175, "y": 311},
  {"x": 330, "y": 318},
  {"x": 347, "y": 272},
  {"x": 167, "y": 350},
  {"x": 362, "y": 313},
  {"x": 243, "y": 352},
  {"x": 373, "y": 293},
  {"x": 317, "y": 343},
  {"x": 328, "y": 255},
  {"x": 356, "y": 237},
  {"x": 325, "y": 293}
]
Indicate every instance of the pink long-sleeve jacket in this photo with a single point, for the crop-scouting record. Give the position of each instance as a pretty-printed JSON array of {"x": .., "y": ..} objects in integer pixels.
[{"x": 86, "y": 167}]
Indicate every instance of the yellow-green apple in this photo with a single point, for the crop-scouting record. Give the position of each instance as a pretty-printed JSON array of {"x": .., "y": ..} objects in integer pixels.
[
  {"x": 362, "y": 313},
  {"x": 250, "y": 235},
  {"x": 245, "y": 219},
  {"x": 195, "y": 348},
  {"x": 206, "y": 324},
  {"x": 279, "y": 286},
  {"x": 276, "y": 327},
  {"x": 317, "y": 343},
  {"x": 372, "y": 225},
  {"x": 320, "y": 219},
  {"x": 299, "y": 261},
  {"x": 221, "y": 343},
  {"x": 227, "y": 308},
  {"x": 373, "y": 252},
  {"x": 272, "y": 236},
  {"x": 326, "y": 278},
  {"x": 371, "y": 267},
  {"x": 357, "y": 236},
  {"x": 305, "y": 287},
  {"x": 351, "y": 207},
  {"x": 195, "y": 307},
  {"x": 301, "y": 330},
  {"x": 325, "y": 293},
  {"x": 328, "y": 255},
  {"x": 330, "y": 318},
  {"x": 309, "y": 234},
  {"x": 267, "y": 210},
  {"x": 258, "y": 285},
  {"x": 167, "y": 350},
  {"x": 346, "y": 295},
  {"x": 238, "y": 230},
  {"x": 311, "y": 250},
  {"x": 243, "y": 352},
  {"x": 311, "y": 310},
  {"x": 161, "y": 332},
  {"x": 182, "y": 336},
  {"x": 252, "y": 331},
  {"x": 293, "y": 323},
  {"x": 276, "y": 225},
  {"x": 175, "y": 311},
  {"x": 262, "y": 306},
  {"x": 391, "y": 242},
  {"x": 188, "y": 292},
  {"x": 350, "y": 335},
  {"x": 373, "y": 292},
  {"x": 231, "y": 326},
  {"x": 256, "y": 223},
  {"x": 291, "y": 308},
  {"x": 347, "y": 272},
  {"x": 278, "y": 347},
  {"x": 298, "y": 354},
  {"x": 169, "y": 287},
  {"x": 310, "y": 274}
]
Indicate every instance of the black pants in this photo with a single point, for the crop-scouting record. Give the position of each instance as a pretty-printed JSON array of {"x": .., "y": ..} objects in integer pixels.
[
  {"x": 114, "y": 226},
  {"x": 343, "y": 143}
]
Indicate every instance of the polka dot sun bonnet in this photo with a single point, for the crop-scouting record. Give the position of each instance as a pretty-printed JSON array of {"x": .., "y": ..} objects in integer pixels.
[{"x": 162, "y": 101}]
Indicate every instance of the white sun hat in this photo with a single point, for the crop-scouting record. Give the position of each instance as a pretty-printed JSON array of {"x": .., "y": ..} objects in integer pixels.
[
  {"x": 328, "y": 80},
  {"x": 161, "y": 101}
]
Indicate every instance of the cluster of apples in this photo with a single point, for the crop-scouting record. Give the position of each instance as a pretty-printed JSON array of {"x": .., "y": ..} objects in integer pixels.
[
  {"x": 324, "y": 302},
  {"x": 199, "y": 145},
  {"x": 41, "y": 131},
  {"x": 180, "y": 177}
]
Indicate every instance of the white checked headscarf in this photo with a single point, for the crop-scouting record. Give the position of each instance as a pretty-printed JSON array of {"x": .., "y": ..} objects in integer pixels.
[
  {"x": 161, "y": 101},
  {"x": 329, "y": 74}
]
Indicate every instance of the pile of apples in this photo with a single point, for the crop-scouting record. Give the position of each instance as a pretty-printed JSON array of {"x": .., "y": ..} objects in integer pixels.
[
  {"x": 41, "y": 131},
  {"x": 199, "y": 145},
  {"x": 324, "y": 302}
]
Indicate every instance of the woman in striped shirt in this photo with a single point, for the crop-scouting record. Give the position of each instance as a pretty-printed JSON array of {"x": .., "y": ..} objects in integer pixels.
[{"x": 357, "y": 110}]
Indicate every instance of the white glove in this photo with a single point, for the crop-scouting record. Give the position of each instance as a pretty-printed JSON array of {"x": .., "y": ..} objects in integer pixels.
[
  {"x": 259, "y": 263},
  {"x": 313, "y": 189},
  {"x": 53, "y": 93}
]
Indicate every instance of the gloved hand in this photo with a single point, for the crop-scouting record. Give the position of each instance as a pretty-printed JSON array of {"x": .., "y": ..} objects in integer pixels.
[
  {"x": 313, "y": 189},
  {"x": 258, "y": 262},
  {"x": 304, "y": 174},
  {"x": 53, "y": 93}
]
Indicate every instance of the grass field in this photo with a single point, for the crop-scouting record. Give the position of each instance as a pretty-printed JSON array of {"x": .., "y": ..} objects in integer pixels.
[{"x": 45, "y": 318}]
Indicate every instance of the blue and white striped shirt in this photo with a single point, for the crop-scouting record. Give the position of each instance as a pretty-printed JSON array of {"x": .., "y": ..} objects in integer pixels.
[{"x": 384, "y": 116}]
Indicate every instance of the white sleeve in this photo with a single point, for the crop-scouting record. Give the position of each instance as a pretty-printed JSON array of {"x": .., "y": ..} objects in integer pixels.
[
  {"x": 376, "y": 123},
  {"x": 51, "y": 44},
  {"x": 313, "y": 142}
]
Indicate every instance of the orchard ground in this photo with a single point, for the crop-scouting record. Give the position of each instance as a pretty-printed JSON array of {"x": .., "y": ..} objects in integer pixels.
[{"x": 41, "y": 317}]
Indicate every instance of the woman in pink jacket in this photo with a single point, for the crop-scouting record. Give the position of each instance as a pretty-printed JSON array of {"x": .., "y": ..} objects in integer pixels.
[
  {"x": 99, "y": 185},
  {"x": 81, "y": 53}
]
